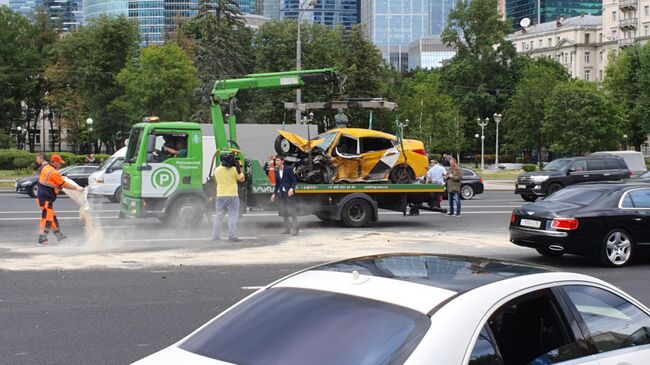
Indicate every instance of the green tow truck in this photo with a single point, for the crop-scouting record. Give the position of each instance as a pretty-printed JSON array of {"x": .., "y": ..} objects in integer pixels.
[{"x": 168, "y": 167}]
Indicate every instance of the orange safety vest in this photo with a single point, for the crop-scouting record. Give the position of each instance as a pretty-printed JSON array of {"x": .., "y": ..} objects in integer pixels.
[
  {"x": 272, "y": 171},
  {"x": 50, "y": 182}
]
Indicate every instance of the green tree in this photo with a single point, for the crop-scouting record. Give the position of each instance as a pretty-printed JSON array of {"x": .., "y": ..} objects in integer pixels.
[
  {"x": 580, "y": 118},
  {"x": 627, "y": 80},
  {"x": 524, "y": 118},
  {"x": 87, "y": 64},
  {"x": 486, "y": 68},
  {"x": 161, "y": 81}
]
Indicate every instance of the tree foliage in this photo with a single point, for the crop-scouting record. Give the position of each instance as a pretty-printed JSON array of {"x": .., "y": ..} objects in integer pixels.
[
  {"x": 580, "y": 118},
  {"x": 161, "y": 82}
]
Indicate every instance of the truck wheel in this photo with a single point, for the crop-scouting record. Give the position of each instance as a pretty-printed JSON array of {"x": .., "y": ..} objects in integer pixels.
[
  {"x": 33, "y": 190},
  {"x": 402, "y": 175},
  {"x": 356, "y": 213},
  {"x": 529, "y": 198},
  {"x": 115, "y": 198},
  {"x": 186, "y": 212},
  {"x": 467, "y": 192},
  {"x": 553, "y": 188},
  {"x": 284, "y": 147}
]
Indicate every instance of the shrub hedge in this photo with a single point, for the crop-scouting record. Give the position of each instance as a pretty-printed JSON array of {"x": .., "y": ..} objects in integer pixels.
[
  {"x": 529, "y": 167},
  {"x": 17, "y": 159}
]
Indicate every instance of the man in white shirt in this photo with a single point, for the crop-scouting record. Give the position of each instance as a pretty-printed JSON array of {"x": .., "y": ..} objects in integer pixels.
[{"x": 436, "y": 175}]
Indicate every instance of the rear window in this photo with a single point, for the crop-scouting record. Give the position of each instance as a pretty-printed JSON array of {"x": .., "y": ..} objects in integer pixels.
[
  {"x": 575, "y": 196},
  {"x": 615, "y": 164},
  {"x": 300, "y": 326}
]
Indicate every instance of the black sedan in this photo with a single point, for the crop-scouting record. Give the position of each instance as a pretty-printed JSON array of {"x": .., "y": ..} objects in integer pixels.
[
  {"x": 79, "y": 174},
  {"x": 470, "y": 185},
  {"x": 607, "y": 221}
]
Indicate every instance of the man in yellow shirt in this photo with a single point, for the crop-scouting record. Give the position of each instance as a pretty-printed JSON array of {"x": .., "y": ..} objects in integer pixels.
[{"x": 227, "y": 175}]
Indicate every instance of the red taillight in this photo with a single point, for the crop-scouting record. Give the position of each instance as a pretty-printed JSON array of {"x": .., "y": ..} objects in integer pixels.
[
  {"x": 566, "y": 224},
  {"x": 513, "y": 218},
  {"x": 481, "y": 180},
  {"x": 421, "y": 151}
]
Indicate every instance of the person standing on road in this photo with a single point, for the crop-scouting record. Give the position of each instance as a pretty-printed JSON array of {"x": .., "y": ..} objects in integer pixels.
[
  {"x": 285, "y": 186},
  {"x": 454, "y": 176},
  {"x": 50, "y": 183},
  {"x": 435, "y": 175},
  {"x": 227, "y": 175}
]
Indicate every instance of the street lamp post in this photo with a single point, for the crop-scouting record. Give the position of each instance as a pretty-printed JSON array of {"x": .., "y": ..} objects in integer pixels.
[
  {"x": 301, "y": 9},
  {"x": 497, "y": 120},
  {"x": 89, "y": 123},
  {"x": 476, "y": 161},
  {"x": 625, "y": 142},
  {"x": 482, "y": 124}
]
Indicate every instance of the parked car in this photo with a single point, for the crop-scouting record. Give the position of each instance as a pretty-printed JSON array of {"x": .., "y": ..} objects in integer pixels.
[
  {"x": 606, "y": 221},
  {"x": 107, "y": 180},
  {"x": 470, "y": 185},
  {"x": 634, "y": 160},
  {"x": 569, "y": 171},
  {"x": 353, "y": 155},
  {"x": 424, "y": 309},
  {"x": 79, "y": 174}
]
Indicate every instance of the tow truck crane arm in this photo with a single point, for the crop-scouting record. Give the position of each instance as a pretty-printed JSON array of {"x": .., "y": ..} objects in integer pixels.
[{"x": 226, "y": 90}]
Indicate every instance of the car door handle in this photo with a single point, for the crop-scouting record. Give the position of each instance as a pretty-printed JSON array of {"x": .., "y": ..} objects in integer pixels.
[
  {"x": 585, "y": 175},
  {"x": 638, "y": 219}
]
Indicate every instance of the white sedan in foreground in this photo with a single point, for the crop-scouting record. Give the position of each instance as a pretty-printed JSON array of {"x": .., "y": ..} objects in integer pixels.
[{"x": 424, "y": 309}]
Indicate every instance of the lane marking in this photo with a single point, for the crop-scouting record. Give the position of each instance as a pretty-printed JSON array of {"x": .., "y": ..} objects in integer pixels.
[{"x": 252, "y": 287}]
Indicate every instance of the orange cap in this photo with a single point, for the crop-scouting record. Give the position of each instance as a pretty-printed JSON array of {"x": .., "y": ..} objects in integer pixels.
[{"x": 56, "y": 158}]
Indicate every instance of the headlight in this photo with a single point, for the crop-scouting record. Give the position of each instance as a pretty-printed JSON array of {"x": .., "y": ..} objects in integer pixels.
[{"x": 539, "y": 179}]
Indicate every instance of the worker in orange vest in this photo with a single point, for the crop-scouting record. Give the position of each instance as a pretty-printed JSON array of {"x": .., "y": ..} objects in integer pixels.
[
  {"x": 50, "y": 183},
  {"x": 269, "y": 168}
]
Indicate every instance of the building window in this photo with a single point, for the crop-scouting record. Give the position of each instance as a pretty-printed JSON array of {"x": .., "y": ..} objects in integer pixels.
[
  {"x": 587, "y": 38},
  {"x": 566, "y": 58},
  {"x": 587, "y": 57},
  {"x": 550, "y": 42},
  {"x": 613, "y": 15},
  {"x": 600, "y": 37},
  {"x": 541, "y": 43},
  {"x": 532, "y": 45},
  {"x": 600, "y": 56},
  {"x": 645, "y": 30},
  {"x": 600, "y": 75},
  {"x": 587, "y": 75},
  {"x": 614, "y": 35},
  {"x": 557, "y": 40},
  {"x": 646, "y": 10}
]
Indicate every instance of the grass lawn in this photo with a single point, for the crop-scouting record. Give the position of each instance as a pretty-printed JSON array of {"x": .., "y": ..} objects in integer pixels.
[
  {"x": 7, "y": 184},
  {"x": 499, "y": 175},
  {"x": 14, "y": 174}
]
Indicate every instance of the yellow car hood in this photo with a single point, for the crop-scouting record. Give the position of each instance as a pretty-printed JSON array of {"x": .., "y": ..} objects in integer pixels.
[{"x": 301, "y": 143}]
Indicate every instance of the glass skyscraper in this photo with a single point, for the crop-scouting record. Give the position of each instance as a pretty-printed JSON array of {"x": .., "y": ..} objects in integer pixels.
[
  {"x": 247, "y": 6},
  {"x": 66, "y": 15},
  {"x": 393, "y": 24},
  {"x": 542, "y": 11},
  {"x": 327, "y": 12}
]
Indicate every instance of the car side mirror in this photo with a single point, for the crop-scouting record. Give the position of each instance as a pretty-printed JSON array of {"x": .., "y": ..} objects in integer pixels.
[
  {"x": 569, "y": 171},
  {"x": 109, "y": 170}
]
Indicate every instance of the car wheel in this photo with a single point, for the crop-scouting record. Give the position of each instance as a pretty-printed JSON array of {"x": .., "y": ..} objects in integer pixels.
[
  {"x": 115, "y": 198},
  {"x": 617, "y": 249},
  {"x": 33, "y": 190},
  {"x": 529, "y": 198},
  {"x": 549, "y": 253},
  {"x": 467, "y": 192},
  {"x": 402, "y": 175},
  {"x": 553, "y": 188},
  {"x": 356, "y": 213},
  {"x": 284, "y": 147}
]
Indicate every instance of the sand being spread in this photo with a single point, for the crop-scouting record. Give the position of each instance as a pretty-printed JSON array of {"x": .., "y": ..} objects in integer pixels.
[{"x": 92, "y": 230}]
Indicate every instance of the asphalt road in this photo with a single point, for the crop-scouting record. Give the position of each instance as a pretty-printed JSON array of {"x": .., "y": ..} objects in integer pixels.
[{"x": 116, "y": 314}]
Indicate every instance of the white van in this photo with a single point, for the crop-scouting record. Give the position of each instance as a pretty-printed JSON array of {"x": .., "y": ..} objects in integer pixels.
[
  {"x": 635, "y": 160},
  {"x": 107, "y": 180}
]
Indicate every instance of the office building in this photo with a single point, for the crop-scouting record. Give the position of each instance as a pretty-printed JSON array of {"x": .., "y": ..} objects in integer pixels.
[
  {"x": 327, "y": 12},
  {"x": 269, "y": 8},
  {"x": 393, "y": 25},
  {"x": 65, "y": 15},
  {"x": 428, "y": 52},
  {"x": 544, "y": 11},
  {"x": 247, "y": 6}
]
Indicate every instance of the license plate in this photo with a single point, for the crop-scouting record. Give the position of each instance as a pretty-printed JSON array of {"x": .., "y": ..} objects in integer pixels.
[
  {"x": 522, "y": 186},
  {"x": 530, "y": 223}
]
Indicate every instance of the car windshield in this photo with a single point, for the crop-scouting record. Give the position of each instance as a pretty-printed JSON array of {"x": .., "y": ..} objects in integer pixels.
[
  {"x": 300, "y": 326},
  {"x": 557, "y": 165},
  {"x": 135, "y": 140},
  {"x": 646, "y": 175},
  {"x": 579, "y": 196},
  {"x": 328, "y": 138},
  {"x": 106, "y": 163}
]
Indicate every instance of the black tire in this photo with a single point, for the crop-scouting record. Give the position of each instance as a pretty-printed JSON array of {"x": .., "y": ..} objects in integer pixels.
[
  {"x": 549, "y": 253},
  {"x": 402, "y": 174},
  {"x": 284, "y": 147},
  {"x": 185, "y": 212},
  {"x": 115, "y": 198},
  {"x": 553, "y": 188},
  {"x": 617, "y": 248},
  {"x": 529, "y": 198},
  {"x": 466, "y": 192},
  {"x": 33, "y": 190},
  {"x": 356, "y": 213}
]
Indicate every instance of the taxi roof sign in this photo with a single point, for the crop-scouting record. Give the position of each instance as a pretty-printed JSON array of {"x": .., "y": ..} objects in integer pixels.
[{"x": 151, "y": 119}]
